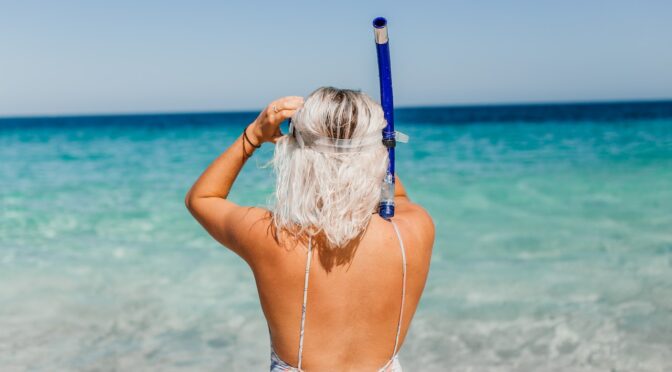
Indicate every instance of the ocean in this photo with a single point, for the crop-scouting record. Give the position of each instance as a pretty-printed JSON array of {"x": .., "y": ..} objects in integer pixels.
[{"x": 553, "y": 248}]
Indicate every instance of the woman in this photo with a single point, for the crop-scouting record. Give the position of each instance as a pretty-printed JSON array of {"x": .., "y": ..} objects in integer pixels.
[{"x": 366, "y": 274}]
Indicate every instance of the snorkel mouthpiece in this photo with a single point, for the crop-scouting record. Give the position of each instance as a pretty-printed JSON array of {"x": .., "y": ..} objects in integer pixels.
[{"x": 386, "y": 208}]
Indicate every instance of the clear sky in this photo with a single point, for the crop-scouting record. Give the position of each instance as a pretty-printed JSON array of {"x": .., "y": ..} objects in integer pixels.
[{"x": 80, "y": 57}]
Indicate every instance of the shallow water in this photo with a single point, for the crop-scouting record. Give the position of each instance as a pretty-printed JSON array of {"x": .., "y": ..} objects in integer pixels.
[{"x": 553, "y": 250}]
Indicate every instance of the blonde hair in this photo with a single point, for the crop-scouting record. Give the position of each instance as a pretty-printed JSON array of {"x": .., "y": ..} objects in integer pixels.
[{"x": 332, "y": 193}]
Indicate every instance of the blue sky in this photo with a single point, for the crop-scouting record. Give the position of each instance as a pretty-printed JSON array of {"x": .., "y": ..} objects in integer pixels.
[{"x": 80, "y": 57}]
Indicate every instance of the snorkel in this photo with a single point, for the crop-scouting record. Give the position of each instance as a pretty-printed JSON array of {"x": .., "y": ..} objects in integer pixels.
[{"x": 386, "y": 208}]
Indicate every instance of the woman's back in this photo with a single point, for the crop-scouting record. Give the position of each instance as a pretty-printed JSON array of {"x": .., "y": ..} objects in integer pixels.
[
  {"x": 353, "y": 299},
  {"x": 344, "y": 314}
]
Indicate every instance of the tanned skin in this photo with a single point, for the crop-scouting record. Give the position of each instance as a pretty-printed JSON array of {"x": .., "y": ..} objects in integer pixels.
[{"x": 354, "y": 297}]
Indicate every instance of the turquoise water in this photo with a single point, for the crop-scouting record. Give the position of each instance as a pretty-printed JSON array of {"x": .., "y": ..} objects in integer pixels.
[{"x": 553, "y": 249}]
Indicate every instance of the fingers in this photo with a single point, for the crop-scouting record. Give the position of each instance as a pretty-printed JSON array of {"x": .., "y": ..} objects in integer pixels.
[
  {"x": 283, "y": 108},
  {"x": 277, "y": 136},
  {"x": 285, "y": 103},
  {"x": 286, "y": 114},
  {"x": 276, "y": 119},
  {"x": 290, "y": 103}
]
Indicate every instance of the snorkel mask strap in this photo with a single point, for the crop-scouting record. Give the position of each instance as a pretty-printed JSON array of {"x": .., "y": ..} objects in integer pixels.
[{"x": 325, "y": 144}]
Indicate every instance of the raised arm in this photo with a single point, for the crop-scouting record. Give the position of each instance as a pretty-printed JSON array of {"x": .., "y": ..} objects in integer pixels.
[
  {"x": 207, "y": 200},
  {"x": 399, "y": 190},
  {"x": 419, "y": 217}
]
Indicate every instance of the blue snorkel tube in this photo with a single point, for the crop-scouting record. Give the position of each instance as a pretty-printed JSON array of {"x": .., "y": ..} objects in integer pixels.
[{"x": 386, "y": 208}]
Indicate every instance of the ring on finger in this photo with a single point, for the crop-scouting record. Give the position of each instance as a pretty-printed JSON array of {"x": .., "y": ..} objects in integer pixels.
[{"x": 275, "y": 109}]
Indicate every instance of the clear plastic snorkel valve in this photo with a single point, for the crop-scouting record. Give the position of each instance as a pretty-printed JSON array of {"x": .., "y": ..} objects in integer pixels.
[{"x": 386, "y": 209}]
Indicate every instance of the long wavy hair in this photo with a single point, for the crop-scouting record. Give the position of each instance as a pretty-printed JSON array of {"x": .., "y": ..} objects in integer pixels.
[{"x": 332, "y": 194}]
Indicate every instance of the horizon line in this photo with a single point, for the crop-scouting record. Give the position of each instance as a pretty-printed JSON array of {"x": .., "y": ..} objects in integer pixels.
[{"x": 403, "y": 107}]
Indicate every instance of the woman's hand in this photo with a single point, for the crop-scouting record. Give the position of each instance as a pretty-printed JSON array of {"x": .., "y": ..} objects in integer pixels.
[
  {"x": 266, "y": 127},
  {"x": 207, "y": 201}
]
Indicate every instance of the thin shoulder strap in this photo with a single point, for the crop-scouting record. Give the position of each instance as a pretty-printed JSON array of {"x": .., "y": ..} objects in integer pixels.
[
  {"x": 305, "y": 293},
  {"x": 305, "y": 297},
  {"x": 403, "y": 287}
]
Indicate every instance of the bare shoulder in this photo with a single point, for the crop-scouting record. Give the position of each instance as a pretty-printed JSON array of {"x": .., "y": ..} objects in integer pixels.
[
  {"x": 416, "y": 222},
  {"x": 415, "y": 213},
  {"x": 247, "y": 231}
]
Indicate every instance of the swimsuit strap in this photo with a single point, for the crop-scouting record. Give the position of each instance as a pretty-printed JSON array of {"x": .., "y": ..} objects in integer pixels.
[
  {"x": 305, "y": 297},
  {"x": 403, "y": 288},
  {"x": 305, "y": 293}
]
